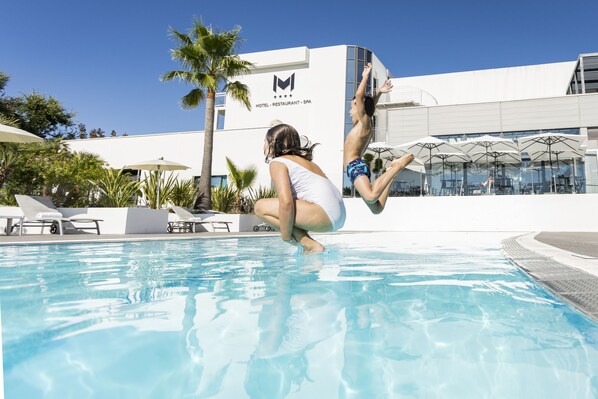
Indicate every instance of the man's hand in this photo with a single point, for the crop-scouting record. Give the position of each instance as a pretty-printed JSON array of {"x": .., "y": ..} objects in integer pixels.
[
  {"x": 386, "y": 87},
  {"x": 366, "y": 70}
]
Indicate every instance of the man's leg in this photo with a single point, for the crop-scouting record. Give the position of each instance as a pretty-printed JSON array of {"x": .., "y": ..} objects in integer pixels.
[{"x": 376, "y": 194}]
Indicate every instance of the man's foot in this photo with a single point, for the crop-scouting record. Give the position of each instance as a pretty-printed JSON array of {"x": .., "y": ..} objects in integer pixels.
[{"x": 400, "y": 163}]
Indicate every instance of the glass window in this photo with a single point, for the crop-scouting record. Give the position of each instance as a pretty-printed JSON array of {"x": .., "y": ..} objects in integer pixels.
[
  {"x": 350, "y": 91},
  {"x": 216, "y": 181},
  {"x": 220, "y": 121},
  {"x": 360, "y": 53},
  {"x": 360, "y": 66},
  {"x": 369, "y": 56},
  {"x": 351, "y": 71},
  {"x": 350, "y": 52}
]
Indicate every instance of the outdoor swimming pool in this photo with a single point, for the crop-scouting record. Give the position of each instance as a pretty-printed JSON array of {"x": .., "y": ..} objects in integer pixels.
[{"x": 380, "y": 315}]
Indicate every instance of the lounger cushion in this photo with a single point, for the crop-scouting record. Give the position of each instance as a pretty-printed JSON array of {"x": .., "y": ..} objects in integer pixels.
[
  {"x": 49, "y": 215},
  {"x": 84, "y": 216}
]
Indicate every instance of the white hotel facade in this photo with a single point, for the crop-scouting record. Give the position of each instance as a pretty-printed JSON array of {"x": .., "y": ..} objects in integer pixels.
[{"x": 311, "y": 89}]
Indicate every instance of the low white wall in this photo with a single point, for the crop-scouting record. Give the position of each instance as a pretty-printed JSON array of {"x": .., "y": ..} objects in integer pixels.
[
  {"x": 239, "y": 223},
  {"x": 125, "y": 220},
  {"x": 547, "y": 212},
  {"x": 114, "y": 220}
]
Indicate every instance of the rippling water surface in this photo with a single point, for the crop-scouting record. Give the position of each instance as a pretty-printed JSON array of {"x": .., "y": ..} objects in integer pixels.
[{"x": 376, "y": 316}]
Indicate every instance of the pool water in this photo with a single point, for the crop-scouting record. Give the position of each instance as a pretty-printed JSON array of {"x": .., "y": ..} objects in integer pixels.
[{"x": 379, "y": 315}]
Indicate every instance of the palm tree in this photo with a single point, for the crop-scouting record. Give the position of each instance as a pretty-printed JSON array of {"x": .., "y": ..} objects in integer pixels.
[
  {"x": 210, "y": 62},
  {"x": 242, "y": 179}
]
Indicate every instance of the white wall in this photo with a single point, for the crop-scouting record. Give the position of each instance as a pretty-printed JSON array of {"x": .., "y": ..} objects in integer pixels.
[
  {"x": 547, "y": 212},
  {"x": 502, "y": 84},
  {"x": 314, "y": 107},
  {"x": 243, "y": 147},
  {"x": 406, "y": 124}
]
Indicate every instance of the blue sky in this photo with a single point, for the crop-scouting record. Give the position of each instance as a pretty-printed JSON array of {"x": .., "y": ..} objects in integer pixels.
[{"x": 103, "y": 59}]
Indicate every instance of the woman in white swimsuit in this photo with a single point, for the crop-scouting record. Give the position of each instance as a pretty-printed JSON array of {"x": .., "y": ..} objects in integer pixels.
[{"x": 307, "y": 200}]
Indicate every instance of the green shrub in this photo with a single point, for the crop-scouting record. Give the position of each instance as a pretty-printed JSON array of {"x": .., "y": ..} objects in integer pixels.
[
  {"x": 224, "y": 199},
  {"x": 184, "y": 193},
  {"x": 149, "y": 187},
  {"x": 259, "y": 193},
  {"x": 116, "y": 189}
]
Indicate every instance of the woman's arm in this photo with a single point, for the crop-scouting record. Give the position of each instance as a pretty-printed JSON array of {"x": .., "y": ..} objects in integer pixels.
[{"x": 286, "y": 205}]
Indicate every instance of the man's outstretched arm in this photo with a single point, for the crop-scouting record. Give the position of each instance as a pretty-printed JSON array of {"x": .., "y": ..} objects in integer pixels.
[
  {"x": 360, "y": 93},
  {"x": 385, "y": 88}
]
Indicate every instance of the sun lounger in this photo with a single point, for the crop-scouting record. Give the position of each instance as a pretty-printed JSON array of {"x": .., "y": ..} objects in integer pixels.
[
  {"x": 186, "y": 221},
  {"x": 40, "y": 211}
]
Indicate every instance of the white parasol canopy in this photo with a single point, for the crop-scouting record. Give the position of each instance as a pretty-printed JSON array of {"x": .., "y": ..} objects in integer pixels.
[
  {"x": 426, "y": 147},
  {"x": 550, "y": 146},
  {"x": 487, "y": 142},
  {"x": 9, "y": 134},
  {"x": 159, "y": 164}
]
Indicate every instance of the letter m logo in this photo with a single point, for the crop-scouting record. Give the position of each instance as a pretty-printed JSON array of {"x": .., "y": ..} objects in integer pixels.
[{"x": 283, "y": 84}]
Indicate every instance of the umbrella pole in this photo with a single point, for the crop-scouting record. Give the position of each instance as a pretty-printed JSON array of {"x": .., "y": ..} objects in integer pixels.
[
  {"x": 551, "y": 169},
  {"x": 430, "y": 173},
  {"x": 574, "y": 183},
  {"x": 158, "y": 196},
  {"x": 557, "y": 170},
  {"x": 443, "y": 179}
]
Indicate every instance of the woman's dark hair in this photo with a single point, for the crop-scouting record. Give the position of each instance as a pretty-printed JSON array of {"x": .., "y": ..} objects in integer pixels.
[{"x": 284, "y": 140}]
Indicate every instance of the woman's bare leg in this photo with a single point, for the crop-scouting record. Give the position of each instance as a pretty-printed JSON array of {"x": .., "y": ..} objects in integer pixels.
[{"x": 307, "y": 217}]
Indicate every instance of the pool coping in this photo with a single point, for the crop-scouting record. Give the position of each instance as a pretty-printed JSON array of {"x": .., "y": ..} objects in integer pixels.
[{"x": 571, "y": 277}]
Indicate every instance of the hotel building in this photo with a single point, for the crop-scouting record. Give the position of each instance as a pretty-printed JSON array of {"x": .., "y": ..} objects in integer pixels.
[{"x": 311, "y": 89}]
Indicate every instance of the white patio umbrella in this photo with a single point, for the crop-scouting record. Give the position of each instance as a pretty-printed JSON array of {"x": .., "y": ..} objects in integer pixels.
[
  {"x": 159, "y": 164},
  {"x": 486, "y": 144},
  {"x": 549, "y": 144},
  {"x": 450, "y": 157},
  {"x": 559, "y": 155},
  {"x": 9, "y": 134},
  {"x": 508, "y": 157},
  {"x": 380, "y": 147},
  {"x": 425, "y": 148}
]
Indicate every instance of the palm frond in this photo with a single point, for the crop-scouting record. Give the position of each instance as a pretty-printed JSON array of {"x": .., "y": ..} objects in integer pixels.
[
  {"x": 233, "y": 173},
  {"x": 181, "y": 37},
  {"x": 235, "y": 66},
  {"x": 192, "y": 99},
  {"x": 183, "y": 76},
  {"x": 208, "y": 81},
  {"x": 239, "y": 92}
]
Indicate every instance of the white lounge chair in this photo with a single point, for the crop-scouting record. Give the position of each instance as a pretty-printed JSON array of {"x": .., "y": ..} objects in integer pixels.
[
  {"x": 187, "y": 221},
  {"x": 41, "y": 211}
]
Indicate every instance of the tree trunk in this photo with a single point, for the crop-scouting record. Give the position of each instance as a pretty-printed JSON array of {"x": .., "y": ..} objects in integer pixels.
[{"x": 208, "y": 146}]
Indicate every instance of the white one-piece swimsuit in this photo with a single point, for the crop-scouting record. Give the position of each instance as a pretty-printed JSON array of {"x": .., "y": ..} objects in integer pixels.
[{"x": 311, "y": 187}]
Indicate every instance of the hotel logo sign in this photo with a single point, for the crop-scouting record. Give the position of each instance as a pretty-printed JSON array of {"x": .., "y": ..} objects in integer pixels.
[
  {"x": 283, "y": 88},
  {"x": 283, "y": 84}
]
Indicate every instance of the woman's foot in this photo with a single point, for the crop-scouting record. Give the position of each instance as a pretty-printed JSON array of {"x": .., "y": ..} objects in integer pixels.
[
  {"x": 313, "y": 248},
  {"x": 310, "y": 246}
]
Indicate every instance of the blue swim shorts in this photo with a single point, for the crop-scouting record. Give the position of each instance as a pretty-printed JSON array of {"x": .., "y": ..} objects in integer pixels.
[{"x": 356, "y": 168}]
